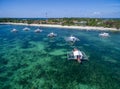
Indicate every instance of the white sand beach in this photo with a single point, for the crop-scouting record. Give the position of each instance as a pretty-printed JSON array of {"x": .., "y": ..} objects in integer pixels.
[{"x": 69, "y": 27}]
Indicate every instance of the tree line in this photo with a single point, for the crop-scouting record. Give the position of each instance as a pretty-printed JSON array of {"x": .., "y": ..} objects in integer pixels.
[{"x": 110, "y": 23}]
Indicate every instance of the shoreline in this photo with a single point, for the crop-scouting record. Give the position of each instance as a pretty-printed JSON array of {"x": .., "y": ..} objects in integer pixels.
[{"x": 69, "y": 27}]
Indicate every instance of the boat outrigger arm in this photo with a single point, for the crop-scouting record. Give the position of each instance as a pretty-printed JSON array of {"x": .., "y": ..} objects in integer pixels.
[{"x": 70, "y": 56}]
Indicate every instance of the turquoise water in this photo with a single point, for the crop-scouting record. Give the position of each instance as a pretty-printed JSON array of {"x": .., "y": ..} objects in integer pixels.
[{"x": 30, "y": 60}]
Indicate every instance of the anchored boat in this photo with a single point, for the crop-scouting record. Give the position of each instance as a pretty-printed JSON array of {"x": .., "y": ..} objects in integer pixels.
[{"x": 70, "y": 56}]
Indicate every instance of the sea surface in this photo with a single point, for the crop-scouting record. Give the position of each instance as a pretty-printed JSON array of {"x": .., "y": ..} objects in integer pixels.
[{"x": 31, "y": 60}]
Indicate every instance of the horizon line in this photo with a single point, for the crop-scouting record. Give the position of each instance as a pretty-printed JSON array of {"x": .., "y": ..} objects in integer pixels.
[{"x": 62, "y": 17}]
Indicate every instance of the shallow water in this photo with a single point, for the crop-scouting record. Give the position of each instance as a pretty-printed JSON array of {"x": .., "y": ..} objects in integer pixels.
[{"x": 32, "y": 61}]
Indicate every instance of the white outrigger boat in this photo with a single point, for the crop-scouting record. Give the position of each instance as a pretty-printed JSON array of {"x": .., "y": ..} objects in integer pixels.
[
  {"x": 71, "y": 39},
  {"x": 52, "y": 35},
  {"x": 70, "y": 56},
  {"x": 26, "y": 29},
  {"x": 104, "y": 34},
  {"x": 14, "y": 30},
  {"x": 38, "y": 30}
]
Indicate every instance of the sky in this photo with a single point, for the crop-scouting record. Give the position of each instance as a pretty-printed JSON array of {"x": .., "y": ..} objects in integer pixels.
[{"x": 59, "y": 8}]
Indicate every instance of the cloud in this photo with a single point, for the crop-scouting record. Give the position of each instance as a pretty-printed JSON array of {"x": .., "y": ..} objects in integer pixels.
[{"x": 96, "y": 13}]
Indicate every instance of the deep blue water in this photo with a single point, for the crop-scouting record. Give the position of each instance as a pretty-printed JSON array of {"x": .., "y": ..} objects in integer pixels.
[{"x": 31, "y": 60}]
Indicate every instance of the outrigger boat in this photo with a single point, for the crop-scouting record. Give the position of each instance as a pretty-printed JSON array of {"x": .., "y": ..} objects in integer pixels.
[
  {"x": 52, "y": 35},
  {"x": 26, "y": 29},
  {"x": 104, "y": 34},
  {"x": 14, "y": 30},
  {"x": 71, "y": 39},
  {"x": 38, "y": 30},
  {"x": 70, "y": 56}
]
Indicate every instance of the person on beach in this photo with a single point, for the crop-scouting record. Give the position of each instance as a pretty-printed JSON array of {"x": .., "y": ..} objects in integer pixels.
[{"x": 77, "y": 54}]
